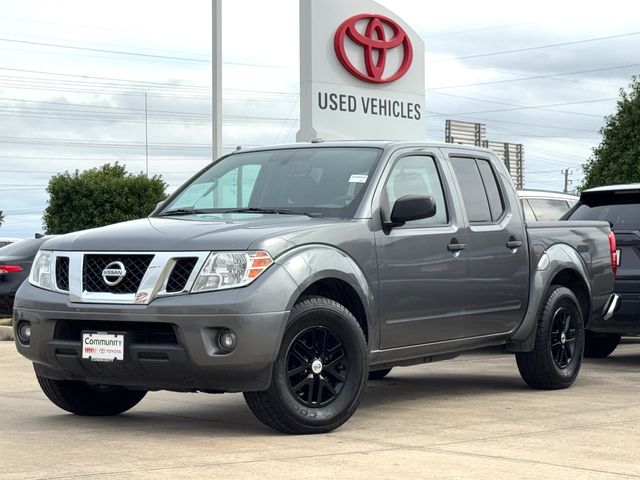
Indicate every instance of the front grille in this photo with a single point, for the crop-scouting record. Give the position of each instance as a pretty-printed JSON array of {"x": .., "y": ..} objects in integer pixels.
[
  {"x": 180, "y": 274},
  {"x": 148, "y": 333},
  {"x": 93, "y": 265},
  {"x": 62, "y": 273}
]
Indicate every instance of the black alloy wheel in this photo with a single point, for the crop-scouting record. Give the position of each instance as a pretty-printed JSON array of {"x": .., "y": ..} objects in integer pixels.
[
  {"x": 317, "y": 366},
  {"x": 563, "y": 337},
  {"x": 557, "y": 352},
  {"x": 320, "y": 372}
]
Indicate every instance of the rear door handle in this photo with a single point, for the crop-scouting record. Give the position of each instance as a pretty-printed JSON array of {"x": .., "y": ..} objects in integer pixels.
[
  {"x": 512, "y": 244},
  {"x": 456, "y": 247}
]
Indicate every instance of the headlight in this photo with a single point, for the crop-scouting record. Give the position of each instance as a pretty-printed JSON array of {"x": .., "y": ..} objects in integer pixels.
[
  {"x": 231, "y": 269},
  {"x": 40, "y": 275}
]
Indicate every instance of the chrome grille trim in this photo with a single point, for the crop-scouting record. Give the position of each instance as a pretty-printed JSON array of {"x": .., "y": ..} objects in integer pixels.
[{"x": 152, "y": 285}]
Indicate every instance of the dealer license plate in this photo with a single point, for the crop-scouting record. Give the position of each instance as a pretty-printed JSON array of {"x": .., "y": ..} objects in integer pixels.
[{"x": 103, "y": 346}]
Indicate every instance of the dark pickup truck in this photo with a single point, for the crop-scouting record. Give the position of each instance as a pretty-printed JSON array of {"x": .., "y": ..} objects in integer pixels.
[{"x": 293, "y": 273}]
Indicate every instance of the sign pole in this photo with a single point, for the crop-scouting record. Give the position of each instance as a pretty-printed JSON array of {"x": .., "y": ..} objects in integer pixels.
[{"x": 216, "y": 76}]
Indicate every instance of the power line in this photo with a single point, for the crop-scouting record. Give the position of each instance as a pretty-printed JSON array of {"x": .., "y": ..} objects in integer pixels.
[
  {"x": 475, "y": 99},
  {"x": 540, "y": 47},
  {"x": 524, "y": 107},
  {"x": 535, "y": 77},
  {"x": 102, "y": 50}
]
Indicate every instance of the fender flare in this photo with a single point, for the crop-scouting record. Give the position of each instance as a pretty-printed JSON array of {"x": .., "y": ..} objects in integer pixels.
[
  {"x": 554, "y": 260},
  {"x": 308, "y": 264}
]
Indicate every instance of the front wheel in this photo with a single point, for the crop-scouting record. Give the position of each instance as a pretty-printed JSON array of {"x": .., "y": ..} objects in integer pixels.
[
  {"x": 555, "y": 360},
  {"x": 320, "y": 372},
  {"x": 91, "y": 400}
]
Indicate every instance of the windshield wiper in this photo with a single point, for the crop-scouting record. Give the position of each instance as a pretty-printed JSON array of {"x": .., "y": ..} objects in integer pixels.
[
  {"x": 181, "y": 211},
  {"x": 281, "y": 211}
]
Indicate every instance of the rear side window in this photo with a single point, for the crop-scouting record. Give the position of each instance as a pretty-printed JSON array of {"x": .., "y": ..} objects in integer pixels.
[
  {"x": 496, "y": 204},
  {"x": 548, "y": 208},
  {"x": 623, "y": 216},
  {"x": 480, "y": 191}
]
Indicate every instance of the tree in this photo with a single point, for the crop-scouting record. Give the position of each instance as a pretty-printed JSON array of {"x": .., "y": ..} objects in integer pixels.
[
  {"x": 1, "y": 218},
  {"x": 98, "y": 197},
  {"x": 617, "y": 158}
]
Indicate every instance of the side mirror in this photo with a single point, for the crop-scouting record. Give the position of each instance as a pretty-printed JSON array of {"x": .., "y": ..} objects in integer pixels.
[{"x": 412, "y": 207}]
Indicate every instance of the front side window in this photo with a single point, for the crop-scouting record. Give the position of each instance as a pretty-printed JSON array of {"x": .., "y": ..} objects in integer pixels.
[
  {"x": 417, "y": 175},
  {"x": 316, "y": 181}
]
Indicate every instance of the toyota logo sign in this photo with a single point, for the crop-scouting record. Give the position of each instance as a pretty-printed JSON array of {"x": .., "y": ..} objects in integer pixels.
[{"x": 375, "y": 45}]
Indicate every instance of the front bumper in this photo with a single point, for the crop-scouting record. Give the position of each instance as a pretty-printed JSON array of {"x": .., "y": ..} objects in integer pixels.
[{"x": 189, "y": 359}]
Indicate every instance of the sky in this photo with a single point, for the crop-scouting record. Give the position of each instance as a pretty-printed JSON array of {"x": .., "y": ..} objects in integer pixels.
[{"x": 74, "y": 74}]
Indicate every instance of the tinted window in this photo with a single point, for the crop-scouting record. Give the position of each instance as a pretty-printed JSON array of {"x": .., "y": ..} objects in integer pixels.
[
  {"x": 496, "y": 204},
  {"x": 624, "y": 216},
  {"x": 324, "y": 181},
  {"x": 417, "y": 175},
  {"x": 473, "y": 192},
  {"x": 548, "y": 209}
]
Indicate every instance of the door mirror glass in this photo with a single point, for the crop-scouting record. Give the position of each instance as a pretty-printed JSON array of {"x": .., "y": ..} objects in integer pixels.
[{"x": 412, "y": 207}]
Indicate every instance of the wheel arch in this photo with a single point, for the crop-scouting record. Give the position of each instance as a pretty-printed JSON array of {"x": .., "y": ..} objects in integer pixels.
[
  {"x": 330, "y": 272},
  {"x": 561, "y": 265}
]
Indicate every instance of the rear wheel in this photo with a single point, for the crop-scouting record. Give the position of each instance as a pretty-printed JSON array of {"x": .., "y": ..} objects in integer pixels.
[
  {"x": 320, "y": 372},
  {"x": 600, "y": 345},
  {"x": 379, "y": 374},
  {"x": 91, "y": 400},
  {"x": 556, "y": 358}
]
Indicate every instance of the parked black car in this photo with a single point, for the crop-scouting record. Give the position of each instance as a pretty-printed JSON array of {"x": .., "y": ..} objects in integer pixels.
[
  {"x": 620, "y": 206},
  {"x": 15, "y": 264}
]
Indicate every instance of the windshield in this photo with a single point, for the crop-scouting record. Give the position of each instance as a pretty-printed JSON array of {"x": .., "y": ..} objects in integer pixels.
[{"x": 308, "y": 181}]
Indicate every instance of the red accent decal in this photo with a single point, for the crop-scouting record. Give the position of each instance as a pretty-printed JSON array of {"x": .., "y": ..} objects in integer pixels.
[{"x": 373, "y": 40}]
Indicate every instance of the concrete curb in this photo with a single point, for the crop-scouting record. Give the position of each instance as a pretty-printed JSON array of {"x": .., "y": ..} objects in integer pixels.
[{"x": 6, "y": 333}]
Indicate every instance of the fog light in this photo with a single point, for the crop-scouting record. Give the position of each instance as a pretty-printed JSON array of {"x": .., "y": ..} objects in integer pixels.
[
  {"x": 24, "y": 332},
  {"x": 227, "y": 340}
]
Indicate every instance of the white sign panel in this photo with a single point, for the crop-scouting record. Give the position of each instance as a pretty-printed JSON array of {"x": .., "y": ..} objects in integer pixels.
[{"x": 361, "y": 73}]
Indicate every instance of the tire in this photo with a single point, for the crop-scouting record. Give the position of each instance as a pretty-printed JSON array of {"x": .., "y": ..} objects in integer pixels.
[
  {"x": 81, "y": 398},
  {"x": 555, "y": 360},
  {"x": 379, "y": 374},
  {"x": 319, "y": 374},
  {"x": 600, "y": 345}
]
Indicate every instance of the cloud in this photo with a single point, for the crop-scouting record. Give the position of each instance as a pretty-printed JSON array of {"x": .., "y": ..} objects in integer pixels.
[{"x": 95, "y": 99}]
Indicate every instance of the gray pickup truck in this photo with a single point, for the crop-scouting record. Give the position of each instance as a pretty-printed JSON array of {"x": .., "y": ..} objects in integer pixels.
[{"x": 294, "y": 273}]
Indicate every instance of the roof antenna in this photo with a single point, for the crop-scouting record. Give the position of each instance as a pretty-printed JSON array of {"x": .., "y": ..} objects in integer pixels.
[{"x": 317, "y": 140}]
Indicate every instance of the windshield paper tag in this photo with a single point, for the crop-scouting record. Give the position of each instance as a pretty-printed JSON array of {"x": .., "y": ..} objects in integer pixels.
[{"x": 358, "y": 178}]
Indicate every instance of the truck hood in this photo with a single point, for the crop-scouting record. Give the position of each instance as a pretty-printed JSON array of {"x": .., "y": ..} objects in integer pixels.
[{"x": 237, "y": 232}]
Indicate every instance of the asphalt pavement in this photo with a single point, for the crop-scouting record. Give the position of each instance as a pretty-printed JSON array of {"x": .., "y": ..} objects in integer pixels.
[{"x": 468, "y": 418}]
